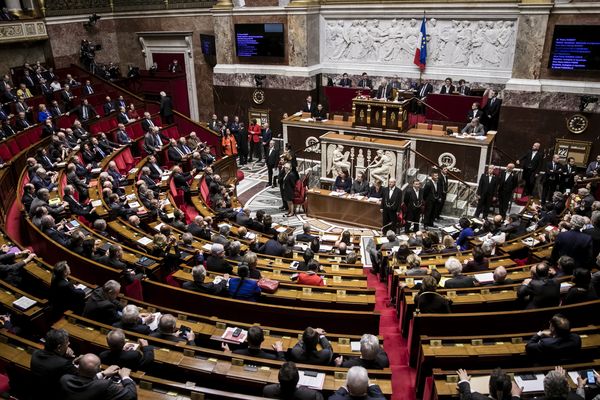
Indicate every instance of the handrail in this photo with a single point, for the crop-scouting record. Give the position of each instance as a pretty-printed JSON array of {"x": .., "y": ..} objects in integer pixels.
[{"x": 439, "y": 167}]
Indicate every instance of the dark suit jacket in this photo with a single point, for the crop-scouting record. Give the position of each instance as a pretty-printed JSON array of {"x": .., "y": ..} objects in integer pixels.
[
  {"x": 594, "y": 233},
  {"x": 267, "y": 135},
  {"x": 345, "y": 82},
  {"x": 387, "y": 94},
  {"x": 486, "y": 186},
  {"x": 492, "y": 109},
  {"x": 77, "y": 387},
  {"x": 273, "y": 391},
  {"x": 432, "y": 303},
  {"x": 575, "y": 244},
  {"x": 64, "y": 296},
  {"x": 122, "y": 118},
  {"x": 309, "y": 108},
  {"x": 219, "y": 265},
  {"x": 554, "y": 349},
  {"x": 541, "y": 293},
  {"x": 394, "y": 202},
  {"x": 424, "y": 89},
  {"x": 174, "y": 155},
  {"x": 317, "y": 357},
  {"x": 252, "y": 352},
  {"x": 91, "y": 112},
  {"x": 133, "y": 359},
  {"x": 507, "y": 186},
  {"x": 273, "y": 158},
  {"x": 101, "y": 309},
  {"x": 449, "y": 90},
  {"x": 365, "y": 84},
  {"x": 465, "y": 90},
  {"x": 381, "y": 361},
  {"x": 373, "y": 393},
  {"x": 459, "y": 281},
  {"x": 526, "y": 162},
  {"x": 46, "y": 370},
  {"x": 552, "y": 173},
  {"x": 208, "y": 287},
  {"x": 474, "y": 114},
  {"x": 464, "y": 389},
  {"x": 108, "y": 108},
  {"x": 166, "y": 106},
  {"x": 413, "y": 204}
]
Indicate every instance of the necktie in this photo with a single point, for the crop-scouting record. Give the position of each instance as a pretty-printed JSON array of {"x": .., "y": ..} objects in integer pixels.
[
  {"x": 423, "y": 91},
  {"x": 90, "y": 90},
  {"x": 157, "y": 137},
  {"x": 101, "y": 152},
  {"x": 85, "y": 113},
  {"x": 150, "y": 122}
]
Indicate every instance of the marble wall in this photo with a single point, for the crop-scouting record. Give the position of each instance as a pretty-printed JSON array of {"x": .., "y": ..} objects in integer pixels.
[
  {"x": 27, "y": 52},
  {"x": 530, "y": 43}
]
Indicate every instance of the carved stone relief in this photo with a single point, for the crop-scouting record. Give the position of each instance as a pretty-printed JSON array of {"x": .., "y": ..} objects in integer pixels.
[
  {"x": 380, "y": 164},
  {"x": 454, "y": 43}
]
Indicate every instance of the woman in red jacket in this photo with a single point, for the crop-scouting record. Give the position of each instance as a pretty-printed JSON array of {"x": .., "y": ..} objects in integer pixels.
[{"x": 254, "y": 136}]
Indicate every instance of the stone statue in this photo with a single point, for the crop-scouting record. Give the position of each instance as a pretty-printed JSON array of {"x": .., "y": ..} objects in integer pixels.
[
  {"x": 382, "y": 166},
  {"x": 360, "y": 159},
  {"x": 339, "y": 159}
]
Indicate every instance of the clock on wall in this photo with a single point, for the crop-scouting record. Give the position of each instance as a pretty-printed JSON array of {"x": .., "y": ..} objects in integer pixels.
[
  {"x": 577, "y": 124},
  {"x": 258, "y": 96}
]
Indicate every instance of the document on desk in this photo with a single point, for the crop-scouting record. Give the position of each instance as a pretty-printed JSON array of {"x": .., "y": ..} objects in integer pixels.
[
  {"x": 531, "y": 385},
  {"x": 355, "y": 346},
  {"x": 96, "y": 203},
  {"x": 154, "y": 324},
  {"x": 485, "y": 277},
  {"x": 329, "y": 238},
  {"x": 311, "y": 382},
  {"x": 144, "y": 241}
]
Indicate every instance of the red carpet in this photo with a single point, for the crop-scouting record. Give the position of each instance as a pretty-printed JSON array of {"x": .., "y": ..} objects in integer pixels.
[{"x": 403, "y": 377}]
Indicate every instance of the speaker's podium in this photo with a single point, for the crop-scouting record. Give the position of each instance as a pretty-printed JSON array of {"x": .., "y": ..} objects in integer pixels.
[{"x": 380, "y": 114}]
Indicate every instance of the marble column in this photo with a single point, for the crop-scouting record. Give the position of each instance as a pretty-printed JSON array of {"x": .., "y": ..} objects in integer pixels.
[
  {"x": 531, "y": 36},
  {"x": 224, "y": 4},
  {"x": 223, "y": 24}
]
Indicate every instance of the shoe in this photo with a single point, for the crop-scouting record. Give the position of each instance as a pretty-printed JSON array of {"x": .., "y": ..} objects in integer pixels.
[{"x": 283, "y": 208}]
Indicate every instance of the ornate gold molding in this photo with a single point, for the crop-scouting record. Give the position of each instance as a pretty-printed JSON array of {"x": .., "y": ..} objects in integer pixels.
[
  {"x": 23, "y": 31},
  {"x": 224, "y": 5},
  {"x": 304, "y": 3}
]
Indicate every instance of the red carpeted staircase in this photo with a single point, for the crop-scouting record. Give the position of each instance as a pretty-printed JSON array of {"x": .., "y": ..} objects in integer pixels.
[{"x": 403, "y": 376}]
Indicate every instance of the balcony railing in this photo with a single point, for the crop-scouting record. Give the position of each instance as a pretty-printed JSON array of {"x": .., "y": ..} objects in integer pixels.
[{"x": 21, "y": 31}]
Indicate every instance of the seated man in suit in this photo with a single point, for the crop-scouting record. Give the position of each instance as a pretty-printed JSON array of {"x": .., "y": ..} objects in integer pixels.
[
  {"x": 175, "y": 153},
  {"x": 500, "y": 385},
  {"x": 155, "y": 170},
  {"x": 122, "y": 135},
  {"x": 109, "y": 106},
  {"x": 454, "y": 267},
  {"x": 372, "y": 355},
  {"x": 365, "y": 82},
  {"x": 198, "y": 284},
  {"x": 43, "y": 195},
  {"x": 91, "y": 383},
  {"x": 462, "y": 88},
  {"x": 540, "y": 290},
  {"x": 49, "y": 364},
  {"x": 305, "y": 236},
  {"x": 556, "y": 344},
  {"x": 358, "y": 387},
  {"x": 102, "y": 305},
  {"x": 319, "y": 114},
  {"x": 132, "y": 320},
  {"x": 122, "y": 117},
  {"x": 76, "y": 207},
  {"x": 125, "y": 355},
  {"x": 305, "y": 351},
  {"x": 255, "y": 339},
  {"x": 287, "y": 388},
  {"x": 384, "y": 92},
  {"x": 28, "y": 196},
  {"x": 216, "y": 261},
  {"x": 474, "y": 128},
  {"x": 49, "y": 227},
  {"x": 345, "y": 81},
  {"x": 167, "y": 330},
  {"x": 448, "y": 87}
]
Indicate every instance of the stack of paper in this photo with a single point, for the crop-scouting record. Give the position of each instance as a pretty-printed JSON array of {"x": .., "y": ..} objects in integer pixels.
[
  {"x": 531, "y": 385},
  {"x": 228, "y": 335},
  {"x": 486, "y": 277},
  {"x": 311, "y": 382},
  {"x": 24, "y": 303}
]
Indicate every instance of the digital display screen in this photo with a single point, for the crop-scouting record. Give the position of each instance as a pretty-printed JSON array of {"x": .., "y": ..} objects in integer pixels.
[
  {"x": 207, "y": 42},
  {"x": 575, "y": 48},
  {"x": 259, "y": 40}
]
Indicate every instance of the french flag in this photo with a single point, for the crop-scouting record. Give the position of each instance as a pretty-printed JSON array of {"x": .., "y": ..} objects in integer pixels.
[{"x": 421, "y": 51}]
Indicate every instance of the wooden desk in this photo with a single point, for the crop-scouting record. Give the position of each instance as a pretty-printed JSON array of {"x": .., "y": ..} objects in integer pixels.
[
  {"x": 380, "y": 114},
  {"x": 343, "y": 209}
]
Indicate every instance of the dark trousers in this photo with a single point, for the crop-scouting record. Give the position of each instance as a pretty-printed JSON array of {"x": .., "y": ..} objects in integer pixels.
[
  {"x": 255, "y": 151},
  {"x": 440, "y": 206},
  {"x": 390, "y": 220},
  {"x": 484, "y": 204},
  {"x": 265, "y": 151},
  {"x": 431, "y": 211},
  {"x": 243, "y": 153},
  {"x": 504, "y": 202},
  {"x": 167, "y": 119},
  {"x": 548, "y": 189},
  {"x": 529, "y": 178},
  {"x": 412, "y": 221},
  {"x": 270, "y": 175}
]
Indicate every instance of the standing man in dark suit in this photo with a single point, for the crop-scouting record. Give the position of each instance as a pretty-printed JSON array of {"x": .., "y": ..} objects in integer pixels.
[
  {"x": 507, "y": 182},
  {"x": 475, "y": 112},
  {"x": 486, "y": 190},
  {"x": 448, "y": 87},
  {"x": 67, "y": 97},
  {"x": 91, "y": 383},
  {"x": 267, "y": 135},
  {"x": 567, "y": 178},
  {"x": 109, "y": 106},
  {"x": 166, "y": 108},
  {"x": 391, "y": 199},
  {"x": 384, "y": 92},
  {"x": 413, "y": 201},
  {"x": 431, "y": 198},
  {"x": 365, "y": 82},
  {"x": 531, "y": 164},
  {"x": 552, "y": 175},
  {"x": 87, "y": 89},
  {"x": 309, "y": 106},
  {"x": 491, "y": 111},
  {"x": 443, "y": 189},
  {"x": 272, "y": 161},
  {"x": 345, "y": 81},
  {"x": 575, "y": 244},
  {"x": 147, "y": 122},
  {"x": 422, "y": 91},
  {"x": 463, "y": 89}
]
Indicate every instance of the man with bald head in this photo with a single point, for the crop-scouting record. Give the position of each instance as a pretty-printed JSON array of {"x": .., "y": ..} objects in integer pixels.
[
  {"x": 507, "y": 182},
  {"x": 126, "y": 355},
  {"x": 531, "y": 163},
  {"x": 91, "y": 383},
  {"x": 357, "y": 387}
]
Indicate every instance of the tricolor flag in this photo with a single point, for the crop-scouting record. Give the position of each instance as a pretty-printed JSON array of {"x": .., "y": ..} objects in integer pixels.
[{"x": 421, "y": 51}]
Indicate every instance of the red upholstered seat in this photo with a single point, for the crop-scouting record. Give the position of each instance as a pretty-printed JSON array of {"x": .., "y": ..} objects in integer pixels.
[
  {"x": 204, "y": 191},
  {"x": 134, "y": 290},
  {"x": 5, "y": 153},
  {"x": 13, "y": 146},
  {"x": 127, "y": 157},
  {"x": 23, "y": 141},
  {"x": 121, "y": 165},
  {"x": 176, "y": 193}
]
